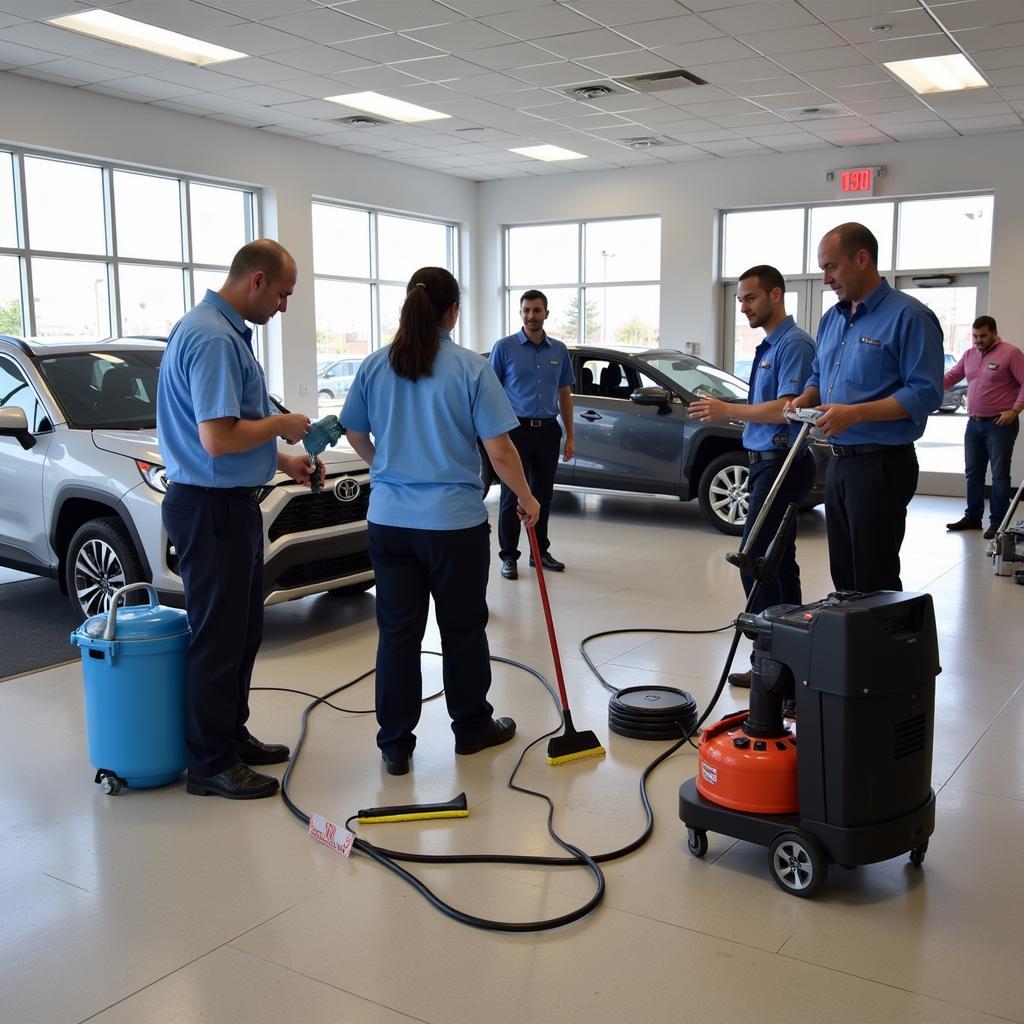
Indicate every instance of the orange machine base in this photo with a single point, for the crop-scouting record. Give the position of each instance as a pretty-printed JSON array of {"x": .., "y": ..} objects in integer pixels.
[{"x": 747, "y": 773}]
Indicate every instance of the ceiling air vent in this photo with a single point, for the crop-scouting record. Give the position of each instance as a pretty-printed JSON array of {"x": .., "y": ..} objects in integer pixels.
[
  {"x": 642, "y": 143},
  {"x": 817, "y": 113},
  {"x": 659, "y": 81},
  {"x": 361, "y": 121},
  {"x": 593, "y": 91}
]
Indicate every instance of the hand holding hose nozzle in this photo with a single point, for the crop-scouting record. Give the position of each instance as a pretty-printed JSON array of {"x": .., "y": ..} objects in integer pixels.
[{"x": 326, "y": 431}]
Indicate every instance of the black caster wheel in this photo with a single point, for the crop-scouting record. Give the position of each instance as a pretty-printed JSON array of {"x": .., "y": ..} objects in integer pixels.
[
  {"x": 109, "y": 783},
  {"x": 797, "y": 864},
  {"x": 697, "y": 841},
  {"x": 917, "y": 854}
]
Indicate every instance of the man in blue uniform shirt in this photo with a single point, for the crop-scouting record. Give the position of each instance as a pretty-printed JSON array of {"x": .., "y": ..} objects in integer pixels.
[
  {"x": 536, "y": 373},
  {"x": 218, "y": 435},
  {"x": 877, "y": 375},
  {"x": 781, "y": 366}
]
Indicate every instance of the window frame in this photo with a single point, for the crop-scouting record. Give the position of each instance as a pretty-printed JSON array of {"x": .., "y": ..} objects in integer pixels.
[
  {"x": 374, "y": 280},
  {"x": 112, "y": 261},
  {"x": 580, "y": 284}
]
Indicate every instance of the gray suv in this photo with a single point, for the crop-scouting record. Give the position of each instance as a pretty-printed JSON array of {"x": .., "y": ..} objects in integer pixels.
[{"x": 83, "y": 480}]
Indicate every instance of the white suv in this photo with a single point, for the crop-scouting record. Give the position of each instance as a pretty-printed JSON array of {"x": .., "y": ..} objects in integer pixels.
[{"x": 82, "y": 480}]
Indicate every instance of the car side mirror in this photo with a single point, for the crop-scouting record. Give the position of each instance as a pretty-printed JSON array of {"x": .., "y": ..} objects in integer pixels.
[
  {"x": 650, "y": 396},
  {"x": 14, "y": 424}
]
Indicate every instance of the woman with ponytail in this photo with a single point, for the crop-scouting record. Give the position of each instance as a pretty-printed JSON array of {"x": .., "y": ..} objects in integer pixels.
[{"x": 425, "y": 401}]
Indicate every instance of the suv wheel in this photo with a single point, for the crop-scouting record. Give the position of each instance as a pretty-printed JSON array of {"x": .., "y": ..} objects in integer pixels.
[
  {"x": 325, "y": 395},
  {"x": 100, "y": 559},
  {"x": 723, "y": 492}
]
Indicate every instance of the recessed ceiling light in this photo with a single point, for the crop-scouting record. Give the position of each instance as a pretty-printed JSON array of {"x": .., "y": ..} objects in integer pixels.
[
  {"x": 385, "y": 106},
  {"x": 138, "y": 34},
  {"x": 548, "y": 153},
  {"x": 938, "y": 74}
]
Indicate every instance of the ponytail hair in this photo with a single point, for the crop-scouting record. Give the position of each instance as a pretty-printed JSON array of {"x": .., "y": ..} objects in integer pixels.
[{"x": 431, "y": 292}]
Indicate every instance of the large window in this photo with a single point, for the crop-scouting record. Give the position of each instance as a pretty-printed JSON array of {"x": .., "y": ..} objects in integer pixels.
[
  {"x": 602, "y": 279},
  {"x": 362, "y": 262},
  {"x": 88, "y": 250}
]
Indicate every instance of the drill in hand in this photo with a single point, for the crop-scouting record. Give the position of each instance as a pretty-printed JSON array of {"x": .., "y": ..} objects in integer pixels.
[{"x": 323, "y": 432}]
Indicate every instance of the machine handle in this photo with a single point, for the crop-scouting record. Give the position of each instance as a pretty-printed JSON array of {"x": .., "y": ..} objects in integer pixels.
[{"x": 108, "y": 633}]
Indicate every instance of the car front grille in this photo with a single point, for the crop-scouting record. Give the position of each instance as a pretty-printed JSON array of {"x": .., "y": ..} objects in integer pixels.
[
  {"x": 307, "y": 512},
  {"x": 323, "y": 569}
]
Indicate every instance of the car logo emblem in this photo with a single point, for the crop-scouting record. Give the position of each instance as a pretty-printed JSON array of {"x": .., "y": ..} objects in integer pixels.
[{"x": 347, "y": 489}]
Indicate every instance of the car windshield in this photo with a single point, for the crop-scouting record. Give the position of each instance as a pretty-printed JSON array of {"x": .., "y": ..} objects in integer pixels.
[
  {"x": 111, "y": 390},
  {"x": 699, "y": 378}
]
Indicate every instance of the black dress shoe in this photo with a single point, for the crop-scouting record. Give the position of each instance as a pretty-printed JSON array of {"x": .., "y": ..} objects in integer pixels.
[
  {"x": 239, "y": 782},
  {"x": 501, "y": 730},
  {"x": 740, "y": 679},
  {"x": 990, "y": 533},
  {"x": 252, "y": 751},
  {"x": 509, "y": 569},
  {"x": 395, "y": 765},
  {"x": 964, "y": 524},
  {"x": 549, "y": 563}
]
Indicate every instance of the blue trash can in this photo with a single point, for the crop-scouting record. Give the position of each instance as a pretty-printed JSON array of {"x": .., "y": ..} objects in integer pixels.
[{"x": 133, "y": 667}]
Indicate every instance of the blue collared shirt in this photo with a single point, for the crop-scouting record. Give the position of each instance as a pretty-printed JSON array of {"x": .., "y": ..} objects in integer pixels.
[
  {"x": 891, "y": 346},
  {"x": 209, "y": 372},
  {"x": 426, "y": 467},
  {"x": 783, "y": 368},
  {"x": 532, "y": 374}
]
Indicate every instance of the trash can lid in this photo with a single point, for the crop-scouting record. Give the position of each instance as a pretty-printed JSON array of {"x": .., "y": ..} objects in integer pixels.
[{"x": 138, "y": 622}]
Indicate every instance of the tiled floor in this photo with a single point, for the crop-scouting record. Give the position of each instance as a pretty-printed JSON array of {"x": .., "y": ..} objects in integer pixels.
[{"x": 158, "y": 906}]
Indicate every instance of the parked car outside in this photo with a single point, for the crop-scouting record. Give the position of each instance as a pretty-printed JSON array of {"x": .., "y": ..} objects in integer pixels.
[
  {"x": 955, "y": 398},
  {"x": 84, "y": 481},
  {"x": 633, "y": 435},
  {"x": 335, "y": 379}
]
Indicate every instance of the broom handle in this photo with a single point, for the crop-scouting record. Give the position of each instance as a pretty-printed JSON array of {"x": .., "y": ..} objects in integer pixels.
[{"x": 535, "y": 549}]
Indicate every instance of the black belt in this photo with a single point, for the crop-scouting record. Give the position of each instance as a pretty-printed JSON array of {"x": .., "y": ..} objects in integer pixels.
[
  {"x": 844, "y": 450},
  {"x": 525, "y": 422},
  {"x": 984, "y": 419},
  {"x": 775, "y": 455},
  {"x": 255, "y": 493}
]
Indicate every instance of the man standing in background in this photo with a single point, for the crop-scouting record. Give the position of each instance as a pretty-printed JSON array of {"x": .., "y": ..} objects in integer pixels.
[
  {"x": 536, "y": 373},
  {"x": 995, "y": 398}
]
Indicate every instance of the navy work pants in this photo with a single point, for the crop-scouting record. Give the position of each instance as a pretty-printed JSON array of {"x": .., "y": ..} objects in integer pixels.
[
  {"x": 538, "y": 449},
  {"x": 218, "y": 535},
  {"x": 411, "y": 566},
  {"x": 866, "y": 501},
  {"x": 785, "y": 587}
]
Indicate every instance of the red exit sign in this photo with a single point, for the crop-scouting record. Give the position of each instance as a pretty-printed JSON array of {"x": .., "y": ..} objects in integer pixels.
[{"x": 855, "y": 181}]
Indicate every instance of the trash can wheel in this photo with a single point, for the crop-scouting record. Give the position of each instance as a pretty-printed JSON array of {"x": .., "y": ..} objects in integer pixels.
[{"x": 109, "y": 783}]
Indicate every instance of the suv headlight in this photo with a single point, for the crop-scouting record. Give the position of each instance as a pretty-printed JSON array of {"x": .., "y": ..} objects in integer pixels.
[{"x": 154, "y": 475}]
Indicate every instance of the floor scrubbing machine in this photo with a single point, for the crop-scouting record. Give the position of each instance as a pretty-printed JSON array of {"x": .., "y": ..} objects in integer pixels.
[{"x": 861, "y": 671}]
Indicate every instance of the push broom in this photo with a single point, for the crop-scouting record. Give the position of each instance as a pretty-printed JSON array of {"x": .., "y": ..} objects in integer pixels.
[{"x": 571, "y": 745}]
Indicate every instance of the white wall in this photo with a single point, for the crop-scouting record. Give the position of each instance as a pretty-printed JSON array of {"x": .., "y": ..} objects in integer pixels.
[
  {"x": 689, "y": 196},
  {"x": 52, "y": 117}
]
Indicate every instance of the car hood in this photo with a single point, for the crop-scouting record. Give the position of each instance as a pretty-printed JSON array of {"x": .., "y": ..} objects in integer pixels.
[{"x": 142, "y": 445}]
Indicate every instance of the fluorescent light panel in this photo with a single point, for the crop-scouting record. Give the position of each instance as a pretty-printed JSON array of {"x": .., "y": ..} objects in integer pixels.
[
  {"x": 384, "y": 106},
  {"x": 938, "y": 74},
  {"x": 129, "y": 32},
  {"x": 549, "y": 154}
]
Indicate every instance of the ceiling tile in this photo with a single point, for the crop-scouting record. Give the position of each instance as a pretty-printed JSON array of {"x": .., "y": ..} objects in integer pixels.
[
  {"x": 439, "y": 69},
  {"x": 1006, "y": 77},
  {"x": 991, "y": 38},
  {"x": 900, "y": 117},
  {"x": 907, "y": 132},
  {"x": 539, "y": 22},
  {"x": 671, "y": 31},
  {"x": 979, "y": 14},
  {"x": 776, "y": 86},
  {"x": 259, "y": 10},
  {"x": 731, "y": 72},
  {"x": 708, "y": 52},
  {"x": 864, "y": 75},
  {"x": 942, "y": 101},
  {"x": 22, "y": 56},
  {"x": 379, "y": 78},
  {"x": 463, "y": 35},
  {"x": 823, "y": 60},
  {"x": 793, "y": 100},
  {"x": 792, "y": 40},
  {"x": 319, "y": 109},
  {"x": 1004, "y": 57},
  {"x": 388, "y": 49},
  {"x": 46, "y": 76},
  {"x": 764, "y": 16},
  {"x": 562, "y": 73},
  {"x": 145, "y": 89},
  {"x": 39, "y": 10},
  {"x": 588, "y": 44},
  {"x": 253, "y": 69},
  {"x": 835, "y": 10},
  {"x": 320, "y": 60},
  {"x": 616, "y": 12},
  {"x": 323, "y": 26},
  {"x": 263, "y": 95},
  {"x": 486, "y": 85},
  {"x": 875, "y": 91},
  {"x": 863, "y": 30},
  {"x": 734, "y": 147},
  {"x": 985, "y": 124},
  {"x": 198, "y": 78},
  {"x": 791, "y": 143},
  {"x": 52, "y": 40},
  {"x": 81, "y": 71},
  {"x": 509, "y": 55},
  {"x": 722, "y": 108},
  {"x": 748, "y": 124},
  {"x": 622, "y": 65},
  {"x": 135, "y": 61},
  {"x": 935, "y": 45},
  {"x": 253, "y": 39},
  {"x": 399, "y": 15}
]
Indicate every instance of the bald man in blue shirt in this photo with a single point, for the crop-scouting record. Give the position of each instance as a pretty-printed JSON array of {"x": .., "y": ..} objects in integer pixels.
[{"x": 877, "y": 376}]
